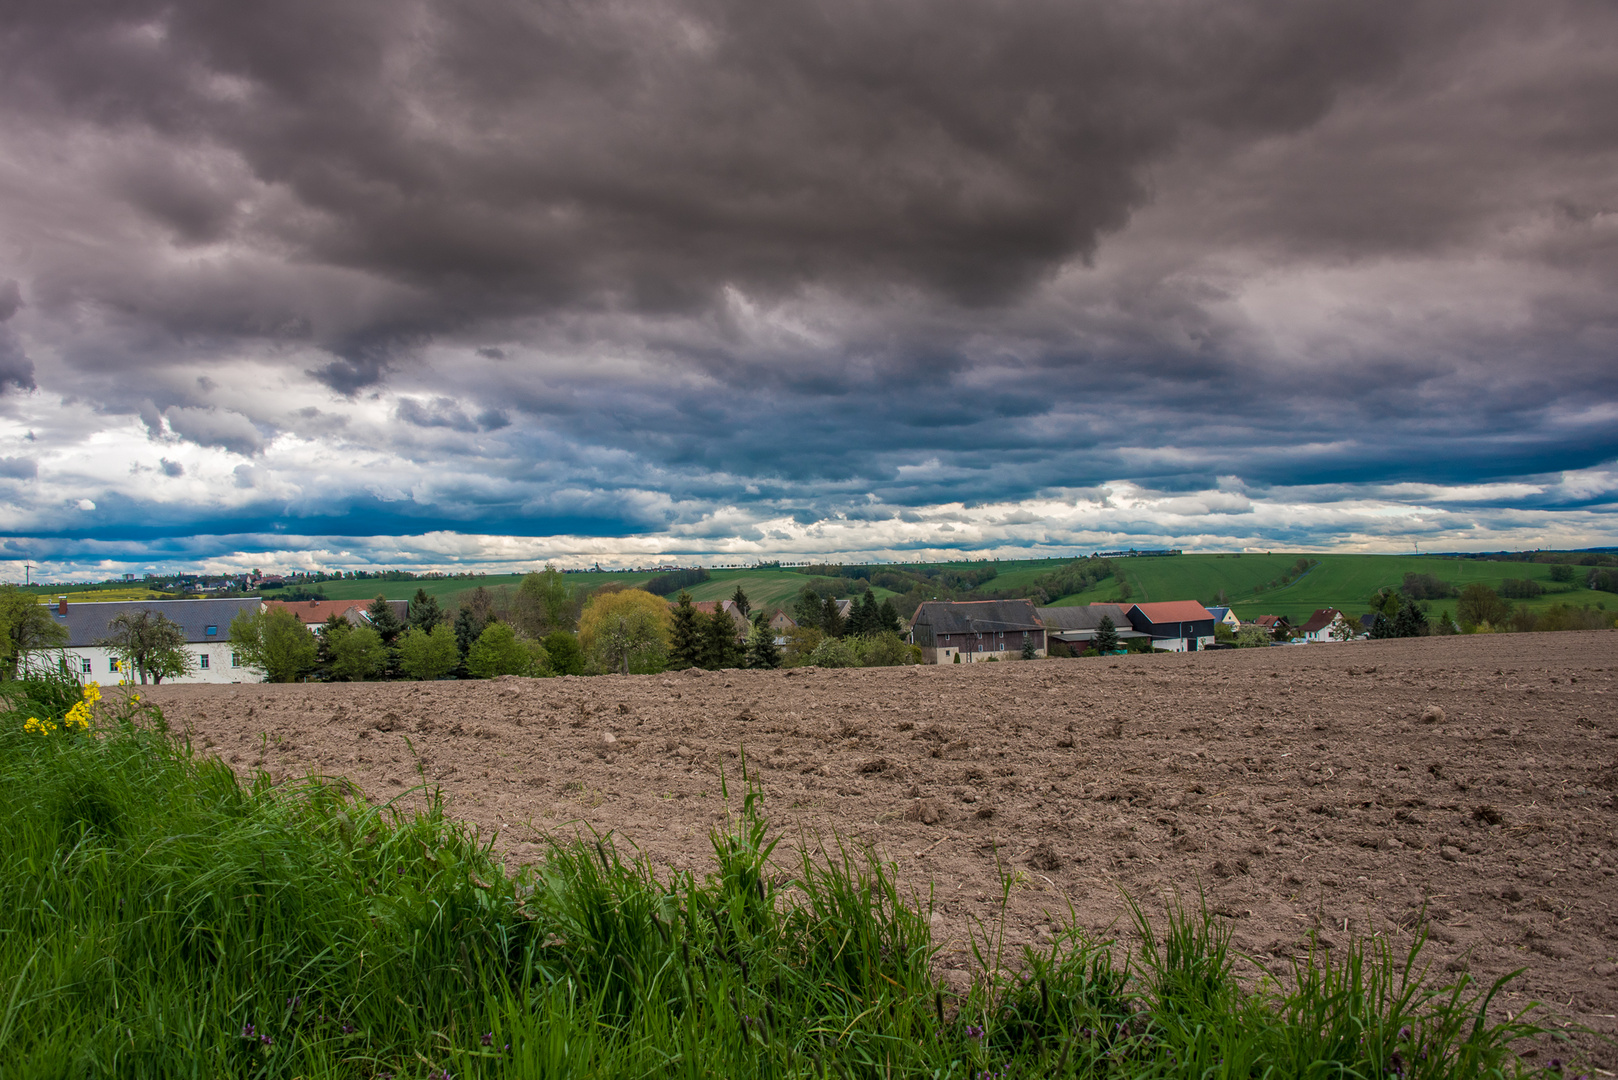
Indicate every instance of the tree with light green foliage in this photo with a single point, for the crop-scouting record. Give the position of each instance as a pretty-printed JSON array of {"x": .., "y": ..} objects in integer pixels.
[
  {"x": 274, "y": 641},
  {"x": 499, "y": 651},
  {"x": 429, "y": 654},
  {"x": 358, "y": 656},
  {"x": 149, "y": 645}
]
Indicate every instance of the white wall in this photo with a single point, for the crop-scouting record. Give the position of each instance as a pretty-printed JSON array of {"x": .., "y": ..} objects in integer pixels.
[{"x": 219, "y": 669}]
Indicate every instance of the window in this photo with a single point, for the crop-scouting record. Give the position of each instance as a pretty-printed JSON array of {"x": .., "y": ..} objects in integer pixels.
[
  {"x": 84, "y": 665},
  {"x": 235, "y": 659},
  {"x": 203, "y": 661},
  {"x": 212, "y": 631},
  {"x": 112, "y": 665}
]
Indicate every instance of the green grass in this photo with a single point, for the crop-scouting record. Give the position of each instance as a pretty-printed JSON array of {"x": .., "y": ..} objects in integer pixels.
[
  {"x": 1346, "y": 582},
  {"x": 158, "y": 919}
]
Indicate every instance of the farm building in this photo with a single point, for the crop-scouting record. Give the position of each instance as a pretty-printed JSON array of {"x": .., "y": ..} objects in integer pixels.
[
  {"x": 1174, "y": 625},
  {"x": 976, "y": 630},
  {"x": 1077, "y": 626}
]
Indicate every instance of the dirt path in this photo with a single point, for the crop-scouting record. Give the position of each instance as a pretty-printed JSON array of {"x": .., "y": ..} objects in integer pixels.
[{"x": 1303, "y": 788}]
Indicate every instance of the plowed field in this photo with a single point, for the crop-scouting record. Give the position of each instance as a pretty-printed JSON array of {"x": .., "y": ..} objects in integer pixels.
[{"x": 1325, "y": 789}]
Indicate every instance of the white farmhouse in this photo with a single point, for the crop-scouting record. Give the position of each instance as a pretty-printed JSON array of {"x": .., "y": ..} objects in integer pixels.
[{"x": 207, "y": 634}]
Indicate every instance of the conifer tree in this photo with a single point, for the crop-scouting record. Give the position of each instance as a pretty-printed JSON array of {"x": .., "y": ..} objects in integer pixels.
[
  {"x": 719, "y": 640},
  {"x": 685, "y": 640},
  {"x": 864, "y": 618},
  {"x": 1106, "y": 636},
  {"x": 831, "y": 619},
  {"x": 761, "y": 650},
  {"x": 887, "y": 618},
  {"x": 739, "y": 598},
  {"x": 425, "y": 612}
]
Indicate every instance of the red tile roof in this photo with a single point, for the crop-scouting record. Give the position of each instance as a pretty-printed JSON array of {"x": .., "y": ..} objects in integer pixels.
[
  {"x": 1168, "y": 611},
  {"x": 1322, "y": 618}
]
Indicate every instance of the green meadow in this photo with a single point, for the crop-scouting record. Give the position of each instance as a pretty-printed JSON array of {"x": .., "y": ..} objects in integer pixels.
[
  {"x": 1250, "y": 582},
  {"x": 1346, "y": 582},
  {"x": 160, "y": 918}
]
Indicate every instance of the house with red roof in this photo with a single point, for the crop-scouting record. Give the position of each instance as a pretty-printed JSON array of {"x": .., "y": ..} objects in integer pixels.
[
  {"x": 1173, "y": 625},
  {"x": 313, "y": 613}
]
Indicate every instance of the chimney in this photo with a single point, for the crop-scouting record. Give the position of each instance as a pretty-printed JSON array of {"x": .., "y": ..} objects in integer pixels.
[{"x": 61, "y": 605}]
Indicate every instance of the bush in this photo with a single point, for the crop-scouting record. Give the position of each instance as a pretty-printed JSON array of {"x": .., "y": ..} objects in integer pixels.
[
  {"x": 887, "y": 650},
  {"x": 1426, "y": 587},
  {"x": 1562, "y": 573},
  {"x": 498, "y": 651},
  {"x": 834, "y": 653},
  {"x": 1521, "y": 588},
  {"x": 563, "y": 649},
  {"x": 1603, "y": 580}
]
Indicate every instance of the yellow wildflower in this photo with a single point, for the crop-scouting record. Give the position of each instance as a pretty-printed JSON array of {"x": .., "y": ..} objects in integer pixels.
[{"x": 36, "y": 726}]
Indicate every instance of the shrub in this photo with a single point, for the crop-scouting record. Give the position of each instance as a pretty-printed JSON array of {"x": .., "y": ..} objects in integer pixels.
[
  {"x": 498, "y": 651},
  {"x": 1562, "y": 572},
  {"x": 1426, "y": 587},
  {"x": 565, "y": 655},
  {"x": 834, "y": 653},
  {"x": 886, "y": 650}
]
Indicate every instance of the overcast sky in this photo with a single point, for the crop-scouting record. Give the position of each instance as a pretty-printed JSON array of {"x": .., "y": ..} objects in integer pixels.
[{"x": 486, "y": 282}]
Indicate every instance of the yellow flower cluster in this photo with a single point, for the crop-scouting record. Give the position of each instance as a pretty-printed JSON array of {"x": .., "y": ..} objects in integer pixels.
[{"x": 78, "y": 716}]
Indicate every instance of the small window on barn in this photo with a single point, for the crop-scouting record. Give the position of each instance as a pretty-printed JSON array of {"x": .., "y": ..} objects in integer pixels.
[
  {"x": 203, "y": 661},
  {"x": 212, "y": 631},
  {"x": 84, "y": 665}
]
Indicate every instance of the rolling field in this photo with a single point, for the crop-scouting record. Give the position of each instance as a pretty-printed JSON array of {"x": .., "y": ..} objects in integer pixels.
[{"x": 1341, "y": 581}]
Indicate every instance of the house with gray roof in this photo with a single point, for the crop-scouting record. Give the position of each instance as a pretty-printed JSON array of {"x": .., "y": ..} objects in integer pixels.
[
  {"x": 206, "y": 624},
  {"x": 976, "y": 630}
]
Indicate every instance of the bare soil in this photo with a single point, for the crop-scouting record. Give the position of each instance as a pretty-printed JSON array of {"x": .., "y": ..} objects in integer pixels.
[{"x": 1328, "y": 789}]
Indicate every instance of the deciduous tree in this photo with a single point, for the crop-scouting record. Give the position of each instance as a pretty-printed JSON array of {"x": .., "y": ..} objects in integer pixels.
[
  {"x": 26, "y": 626},
  {"x": 358, "y": 655},
  {"x": 149, "y": 645},
  {"x": 275, "y": 642},
  {"x": 498, "y": 651},
  {"x": 627, "y": 625},
  {"x": 429, "y": 654}
]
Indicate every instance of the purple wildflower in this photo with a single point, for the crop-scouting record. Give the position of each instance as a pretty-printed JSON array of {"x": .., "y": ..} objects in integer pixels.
[
  {"x": 247, "y": 1031},
  {"x": 266, "y": 1040},
  {"x": 488, "y": 1038},
  {"x": 973, "y": 1031},
  {"x": 348, "y": 1029}
]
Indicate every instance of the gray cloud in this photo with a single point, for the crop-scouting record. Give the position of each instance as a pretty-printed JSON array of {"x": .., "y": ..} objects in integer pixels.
[
  {"x": 214, "y": 427},
  {"x": 826, "y": 257}
]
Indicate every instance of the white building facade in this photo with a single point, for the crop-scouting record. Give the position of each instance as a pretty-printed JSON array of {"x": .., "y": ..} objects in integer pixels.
[{"x": 206, "y": 624}]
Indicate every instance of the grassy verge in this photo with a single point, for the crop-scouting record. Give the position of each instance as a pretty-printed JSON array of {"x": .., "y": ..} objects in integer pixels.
[{"x": 159, "y": 918}]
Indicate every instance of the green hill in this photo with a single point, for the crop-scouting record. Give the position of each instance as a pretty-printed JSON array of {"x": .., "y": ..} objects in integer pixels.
[
  {"x": 1250, "y": 583},
  {"x": 1342, "y": 581}
]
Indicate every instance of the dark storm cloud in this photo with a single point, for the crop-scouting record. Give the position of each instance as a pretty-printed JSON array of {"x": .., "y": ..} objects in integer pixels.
[{"x": 810, "y": 255}]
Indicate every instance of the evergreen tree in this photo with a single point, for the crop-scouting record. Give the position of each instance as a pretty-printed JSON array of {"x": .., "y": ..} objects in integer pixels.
[
  {"x": 1028, "y": 650},
  {"x": 806, "y": 609},
  {"x": 1381, "y": 627},
  {"x": 685, "y": 639},
  {"x": 1106, "y": 636},
  {"x": 863, "y": 617},
  {"x": 719, "y": 647},
  {"x": 761, "y": 650},
  {"x": 425, "y": 612},
  {"x": 1410, "y": 622},
  {"x": 887, "y": 618},
  {"x": 831, "y": 619},
  {"x": 383, "y": 620},
  {"x": 739, "y": 598},
  {"x": 469, "y": 627}
]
